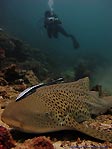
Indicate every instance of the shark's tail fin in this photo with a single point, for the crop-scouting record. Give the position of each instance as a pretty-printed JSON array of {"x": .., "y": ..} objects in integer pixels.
[{"x": 98, "y": 105}]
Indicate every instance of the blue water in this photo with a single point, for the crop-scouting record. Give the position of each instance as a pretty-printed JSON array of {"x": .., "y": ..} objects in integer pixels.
[{"x": 89, "y": 20}]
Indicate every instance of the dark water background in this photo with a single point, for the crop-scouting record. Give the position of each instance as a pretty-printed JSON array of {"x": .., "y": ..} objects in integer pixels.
[{"x": 89, "y": 20}]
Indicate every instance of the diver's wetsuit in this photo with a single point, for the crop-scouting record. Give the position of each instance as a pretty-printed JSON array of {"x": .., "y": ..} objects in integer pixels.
[
  {"x": 53, "y": 26},
  {"x": 51, "y": 23}
]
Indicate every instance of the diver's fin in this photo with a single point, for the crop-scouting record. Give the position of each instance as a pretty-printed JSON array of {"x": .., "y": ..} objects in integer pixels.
[{"x": 75, "y": 42}]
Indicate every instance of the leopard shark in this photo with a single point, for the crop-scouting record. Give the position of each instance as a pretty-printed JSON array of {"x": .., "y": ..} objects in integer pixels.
[{"x": 61, "y": 106}]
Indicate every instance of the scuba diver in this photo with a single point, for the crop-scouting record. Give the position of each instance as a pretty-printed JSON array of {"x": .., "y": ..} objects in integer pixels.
[{"x": 53, "y": 27}]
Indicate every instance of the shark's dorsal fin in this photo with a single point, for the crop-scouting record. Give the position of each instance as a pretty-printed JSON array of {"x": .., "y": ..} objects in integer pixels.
[{"x": 83, "y": 84}]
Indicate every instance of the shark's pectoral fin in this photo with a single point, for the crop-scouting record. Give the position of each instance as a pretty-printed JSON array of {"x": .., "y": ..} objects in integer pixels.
[{"x": 93, "y": 132}]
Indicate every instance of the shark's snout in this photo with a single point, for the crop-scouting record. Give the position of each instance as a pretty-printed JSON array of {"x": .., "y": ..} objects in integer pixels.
[{"x": 9, "y": 115}]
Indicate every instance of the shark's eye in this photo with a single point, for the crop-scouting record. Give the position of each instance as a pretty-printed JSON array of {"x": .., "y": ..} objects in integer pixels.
[{"x": 48, "y": 114}]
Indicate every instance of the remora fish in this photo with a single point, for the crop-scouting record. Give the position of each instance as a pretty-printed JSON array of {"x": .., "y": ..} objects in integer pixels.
[
  {"x": 32, "y": 89},
  {"x": 58, "y": 107}
]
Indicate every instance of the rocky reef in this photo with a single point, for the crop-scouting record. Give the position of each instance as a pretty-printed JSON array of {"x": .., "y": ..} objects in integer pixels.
[
  {"x": 22, "y": 66},
  {"x": 15, "y": 51},
  {"x": 6, "y": 140},
  {"x": 42, "y": 142}
]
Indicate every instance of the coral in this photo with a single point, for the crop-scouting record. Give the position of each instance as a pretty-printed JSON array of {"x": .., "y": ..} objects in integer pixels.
[
  {"x": 3, "y": 81},
  {"x": 11, "y": 73},
  {"x": 7, "y": 95},
  {"x": 97, "y": 88},
  {"x": 82, "y": 144},
  {"x": 82, "y": 70},
  {"x": 20, "y": 87},
  {"x": 15, "y": 51},
  {"x": 36, "y": 143},
  {"x": 37, "y": 67},
  {"x": 6, "y": 140},
  {"x": 2, "y": 53},
  {"x": 31, "y": 78}
]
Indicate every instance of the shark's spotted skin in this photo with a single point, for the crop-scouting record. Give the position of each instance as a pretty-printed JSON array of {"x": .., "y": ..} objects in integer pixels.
[{"x": 58, "y": 107}]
